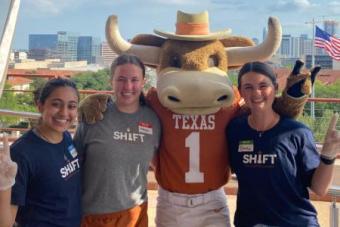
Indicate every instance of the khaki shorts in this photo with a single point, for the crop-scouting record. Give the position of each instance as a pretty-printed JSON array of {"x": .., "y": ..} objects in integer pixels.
[
  {"x": 134, "y": 217},
  {"x": 200, "y": 210}
]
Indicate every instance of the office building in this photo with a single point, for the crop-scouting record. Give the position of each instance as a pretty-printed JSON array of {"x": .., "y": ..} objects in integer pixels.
[
  {"x": 67, "y": 46},
  {"x": 48, "y": 46},
  {"x": 285, "y": 50},
  {"x": 88, "y": 49},
  {"x": 108, "y": 55},
  {"x": 42, "y": 46},
  {"x": 325, "y": 61}
]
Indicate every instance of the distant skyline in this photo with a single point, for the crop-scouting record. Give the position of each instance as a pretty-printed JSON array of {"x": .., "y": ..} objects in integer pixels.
[{"x": 87, "y": 17}]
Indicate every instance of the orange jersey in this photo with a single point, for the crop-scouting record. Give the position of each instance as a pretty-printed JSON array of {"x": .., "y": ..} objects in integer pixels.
[{"x": 193, "y": 154}]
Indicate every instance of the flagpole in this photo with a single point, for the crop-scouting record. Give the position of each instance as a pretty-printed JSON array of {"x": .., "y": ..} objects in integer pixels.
[{"x": 312, "y": 105}]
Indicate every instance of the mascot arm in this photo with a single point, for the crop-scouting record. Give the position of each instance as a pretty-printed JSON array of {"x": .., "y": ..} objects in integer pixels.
[
  {"x": 297, "y": 90},
  {"x": 92, "y": 107}
]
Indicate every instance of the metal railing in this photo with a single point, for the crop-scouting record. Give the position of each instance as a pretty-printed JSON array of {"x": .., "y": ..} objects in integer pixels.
[{"x": 333, "y": 194}]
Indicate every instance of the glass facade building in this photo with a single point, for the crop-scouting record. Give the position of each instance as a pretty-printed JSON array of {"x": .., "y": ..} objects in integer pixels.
[
  {"x": 88, "y": 49},
  {"x": 64, "y": 46},
  {"x": 42, "y": 46}
]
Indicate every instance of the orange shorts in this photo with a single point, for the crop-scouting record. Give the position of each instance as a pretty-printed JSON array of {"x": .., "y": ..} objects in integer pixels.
[{"x": 134, "y": 217}]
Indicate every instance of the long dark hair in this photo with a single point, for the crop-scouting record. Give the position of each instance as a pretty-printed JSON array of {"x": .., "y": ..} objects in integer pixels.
[{"x": 129, "y": 59}]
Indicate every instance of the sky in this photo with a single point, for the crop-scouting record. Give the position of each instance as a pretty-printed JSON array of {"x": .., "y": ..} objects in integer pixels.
[{"x": 87, "y": 17}]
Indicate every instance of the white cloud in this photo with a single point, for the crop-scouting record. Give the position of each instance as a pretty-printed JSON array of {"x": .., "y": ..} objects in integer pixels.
[
  {"x": 53, "y": 7},
  {"x": 334, "y": 7},
  {"x": 232, "y": 4},
  {"x": 304, "y": 4},
  {"x": 160, "y": 2},
  {"x": 175, "y": 2},
  {"x": 292, "y": 5}
]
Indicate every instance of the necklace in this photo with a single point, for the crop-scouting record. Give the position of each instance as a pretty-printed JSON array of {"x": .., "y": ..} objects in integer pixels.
[
  {"x": 260, "y": 130},
  {"x": 39, "y": 133}
]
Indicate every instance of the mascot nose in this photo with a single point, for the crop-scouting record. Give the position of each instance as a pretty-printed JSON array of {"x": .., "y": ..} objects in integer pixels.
[
  {"x": 176, "y": 99},
  {"x": 201, "y": 97}
]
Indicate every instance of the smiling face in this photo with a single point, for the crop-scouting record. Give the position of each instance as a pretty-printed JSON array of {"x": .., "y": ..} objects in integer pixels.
[
  {"x": 258, "y": 91},
  {"x": 59, "y": 110},
  {"x": 127, "y": 83}
]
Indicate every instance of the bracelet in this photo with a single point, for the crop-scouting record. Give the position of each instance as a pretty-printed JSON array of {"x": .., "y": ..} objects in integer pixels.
[{"x": 326, "y": 160}]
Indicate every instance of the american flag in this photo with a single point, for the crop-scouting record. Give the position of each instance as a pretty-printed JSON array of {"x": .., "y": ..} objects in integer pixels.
[{"x": 330, "y": 43}]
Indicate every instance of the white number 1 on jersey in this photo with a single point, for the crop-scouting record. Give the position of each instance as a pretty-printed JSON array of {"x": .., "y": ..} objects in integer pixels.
[{"x": 193, "y": 143}]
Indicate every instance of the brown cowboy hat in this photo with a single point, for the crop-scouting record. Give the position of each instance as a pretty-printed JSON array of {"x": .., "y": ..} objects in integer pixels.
[{"x": 193, "y": 27}]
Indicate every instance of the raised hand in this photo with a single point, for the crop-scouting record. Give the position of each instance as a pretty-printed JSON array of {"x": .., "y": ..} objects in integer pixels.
[
  {"x": 92, "y": 107},
  {"x": 331, "y": 145},
  {"x": 297, "y": 90},
  {"x": 8, "y": 168},
  {"x": 298, "y": 84}
]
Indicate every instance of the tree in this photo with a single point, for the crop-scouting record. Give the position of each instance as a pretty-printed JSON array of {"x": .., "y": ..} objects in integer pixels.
[
  {"x": 8, "y": 101},
  {"x": 93, "y": 80},
  {"x": 37, "y": 83}
]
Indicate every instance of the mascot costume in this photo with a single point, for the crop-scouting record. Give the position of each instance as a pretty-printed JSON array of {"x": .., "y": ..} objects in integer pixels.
[{"x": 195, "y": 100}]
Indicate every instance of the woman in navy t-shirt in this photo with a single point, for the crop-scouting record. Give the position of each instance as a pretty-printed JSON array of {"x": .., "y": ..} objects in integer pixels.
[
  {"x": 275, "y": 158},
  {"x": 46, "y": 189}
]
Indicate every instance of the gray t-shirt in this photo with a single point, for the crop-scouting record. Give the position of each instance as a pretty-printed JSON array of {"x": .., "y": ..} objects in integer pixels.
[{"x": 116, "y": 155}]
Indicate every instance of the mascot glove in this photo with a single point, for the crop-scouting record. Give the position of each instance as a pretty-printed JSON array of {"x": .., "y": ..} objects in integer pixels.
[
  {"x": 92, "y": 107},
  {"x": 331, "y": 145},
  {"x": 299, "y": 85},
  {"x": 8, "y": 168}
]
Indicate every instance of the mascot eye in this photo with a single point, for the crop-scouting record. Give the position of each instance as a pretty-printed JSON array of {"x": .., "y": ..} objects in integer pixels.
[
  {"x": 213, "y": 61},
  {"x": 175, "y": 61}
]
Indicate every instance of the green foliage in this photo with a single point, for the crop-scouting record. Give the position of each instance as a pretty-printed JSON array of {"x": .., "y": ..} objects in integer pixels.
[
  {"x": 233, "y": 76},
  {"x": 8, "y": 101},
  {"x": 323, "y": 110},
  {"x": 327, "y": 91},
  {"x": 93, "y": 80},
  {"x": 318, "y": 125},
  {"x": 37, "y": 83},
  {"x": 21, "y": 124},
  {"x": 18, "y": 102},
  {"x": 150, "y": 77}
]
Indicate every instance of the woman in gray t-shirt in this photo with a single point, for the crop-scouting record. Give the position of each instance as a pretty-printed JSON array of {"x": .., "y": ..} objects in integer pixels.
[{"x": 117, "y": 152}]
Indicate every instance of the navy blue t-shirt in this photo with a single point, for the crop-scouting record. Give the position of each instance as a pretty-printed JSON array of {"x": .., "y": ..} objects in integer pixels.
[
  {"x": 274, "y": 169},
  {"x": 47, "y": 188}
]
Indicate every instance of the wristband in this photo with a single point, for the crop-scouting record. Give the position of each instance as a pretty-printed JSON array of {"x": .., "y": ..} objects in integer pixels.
[{"x": 327, "y": 161}]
